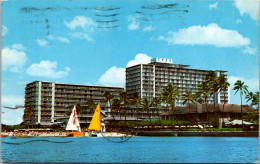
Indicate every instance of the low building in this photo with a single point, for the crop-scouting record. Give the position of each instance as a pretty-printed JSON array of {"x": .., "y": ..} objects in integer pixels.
[{"x": 205, "y": 112}]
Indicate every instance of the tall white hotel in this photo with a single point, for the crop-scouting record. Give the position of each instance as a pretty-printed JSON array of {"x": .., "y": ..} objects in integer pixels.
[{"x": 148, "y": 80}]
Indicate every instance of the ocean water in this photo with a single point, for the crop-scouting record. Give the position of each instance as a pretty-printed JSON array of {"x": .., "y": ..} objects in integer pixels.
[{"x": 134, "y": 150}]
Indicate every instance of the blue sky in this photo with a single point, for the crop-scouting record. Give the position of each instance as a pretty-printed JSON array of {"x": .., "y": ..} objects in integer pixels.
[{"x": 91, "y": 42}]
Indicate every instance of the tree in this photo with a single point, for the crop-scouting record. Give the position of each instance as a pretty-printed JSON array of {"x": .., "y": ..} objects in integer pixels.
[
  {"x": 223, "y": 85},
  {"x": 188, "y": 98},
  {"x": 124, "y": 102},
  {"x": 252, "y": 117},
  {"x": 108, "y": 97},
  {"x": 29, "y": 111},
  {"x": 197, "y": 99},
  {"x": 79, "y": 108},
  {"x": 170, "y": 95},
  {"x": 134, "y": 100},
  {"x": 91, "y": 105},
  {"x": 146, "y": 106},
  {"x": 254, "y": 98},
  {"x": 156, "y": 102},
  {"x": 242, "y": 88},
  {"x": 116, "y": 105},
  {"x": 211, "y": 79},
  {"x": 204, "y": 88}
]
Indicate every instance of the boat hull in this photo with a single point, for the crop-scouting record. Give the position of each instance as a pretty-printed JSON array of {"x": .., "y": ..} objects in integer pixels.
[
  {"x": 75, "y": 134},
  {"x": 110, "y": 134}
]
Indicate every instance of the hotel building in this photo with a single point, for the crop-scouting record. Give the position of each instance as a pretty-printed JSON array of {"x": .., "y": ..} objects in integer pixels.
[
  {"x": 52, "y": 102},
  {"x": 148, "y": 80}
]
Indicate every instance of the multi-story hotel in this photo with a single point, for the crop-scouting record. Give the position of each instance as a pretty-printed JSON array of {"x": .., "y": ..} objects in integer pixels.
[
  {"x": 148, "y": 80},
  {"x": 54, "y": 101}
]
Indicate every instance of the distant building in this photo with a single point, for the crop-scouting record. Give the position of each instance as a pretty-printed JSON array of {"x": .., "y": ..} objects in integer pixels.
[
  {"x": 53, "y": 102},
  {"x": 148, "y": 80}
]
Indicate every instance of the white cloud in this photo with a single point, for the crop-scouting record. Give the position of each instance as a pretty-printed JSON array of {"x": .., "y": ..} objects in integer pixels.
[
  {"x": 133, "y": 25},
  {"x": 115, "y": 76},
  {"x": 148, "y": 28},
  {"x": 47, "y": 69},
  {"x": 215, "y": 5},
  {"x": 62, "y": 39},
  {"x": 249, "y": 50},
  {"x": 80, "y": 22},
  {"x": 4, "y": 30},
  {"x": 18, "y": 46},
  {"x": 250, "y": 7},
  {"x": 50, "y": 37},
  {"x": 42, "y": 43},
  {"x": 238, "y": 21},
  {"x": 82, "y": 35},
  {"x": 12, "y": 100},
  {"x": 12, "y": 117},
  {"x": 13, "y": 59},
  {"x": 253, "y": 83},
  {"x": 139, "y": 59},
  {"x": 206, "y": 35}
]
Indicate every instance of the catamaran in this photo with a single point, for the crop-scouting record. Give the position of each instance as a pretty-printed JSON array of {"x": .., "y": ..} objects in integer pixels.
[{"x": 73, "y": 125}]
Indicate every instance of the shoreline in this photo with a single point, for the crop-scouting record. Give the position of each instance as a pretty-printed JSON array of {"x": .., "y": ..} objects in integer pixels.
[
  {"x": 199, "y": 133},
  {"x": 160, "y": 134}
]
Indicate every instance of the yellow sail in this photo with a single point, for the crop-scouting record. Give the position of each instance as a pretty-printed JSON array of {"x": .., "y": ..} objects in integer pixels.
[{"x": 95, "y": 123}]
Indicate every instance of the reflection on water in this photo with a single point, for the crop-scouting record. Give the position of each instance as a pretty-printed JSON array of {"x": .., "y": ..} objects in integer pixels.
[{"x": 136, "y": 149}]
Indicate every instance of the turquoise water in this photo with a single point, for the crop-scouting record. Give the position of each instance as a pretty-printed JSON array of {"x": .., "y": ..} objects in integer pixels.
[{"x": 136, "y": 149}]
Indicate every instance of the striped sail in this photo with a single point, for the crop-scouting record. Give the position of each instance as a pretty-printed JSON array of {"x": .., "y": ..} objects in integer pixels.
[{"x": 73, "y": 123}]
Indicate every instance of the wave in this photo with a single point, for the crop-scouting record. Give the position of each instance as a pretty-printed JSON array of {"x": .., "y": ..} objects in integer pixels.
[{"x": 19, "y": 143}]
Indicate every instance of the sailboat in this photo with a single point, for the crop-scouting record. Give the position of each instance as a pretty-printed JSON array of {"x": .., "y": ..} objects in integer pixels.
[
  {"x": 95, "y": 128},
  {"x": 95, "y": 124},
  {"x": 73, "y": 125}
]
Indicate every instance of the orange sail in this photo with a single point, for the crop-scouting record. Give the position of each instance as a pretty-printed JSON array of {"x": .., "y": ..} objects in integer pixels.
[{"x": 95, "y": 123}]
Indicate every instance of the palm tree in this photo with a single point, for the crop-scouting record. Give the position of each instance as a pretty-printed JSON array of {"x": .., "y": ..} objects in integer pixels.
[
  {"x": 79, "y": 108},
  {"x": 170, "y": 95},
  {"x": 211, "y": 79},
  {"x": 197, "y": 99},
  {"x": 116, "y": 105},
  {"x": 188, "y": 97},
  {"x": 29, "y": 111},
  {"x": 134, "y": 101},
  {"x": 125, "y": 100},
  {"x": 242, "y": 88},
  {"x": 156, "y": 102},
  {"x": 204, "y": 88},
  {"x": 146, "y": 106},
  {"x": 91, "y": 105},
  {"x": 108, "y": 97},
  {"x": 254, "y": 98},
  {"x": 223, "y": 84},
  {"x": 214, "y": 88}
]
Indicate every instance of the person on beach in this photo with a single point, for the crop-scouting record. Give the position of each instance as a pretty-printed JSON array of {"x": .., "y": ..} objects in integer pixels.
[{"x": 103, "y": 128}]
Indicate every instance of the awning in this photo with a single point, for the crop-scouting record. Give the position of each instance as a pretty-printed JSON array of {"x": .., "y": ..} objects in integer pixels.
[{"x": 239, "y": 122}]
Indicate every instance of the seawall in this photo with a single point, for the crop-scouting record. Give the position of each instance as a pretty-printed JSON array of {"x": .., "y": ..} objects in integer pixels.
[{"x": 200, "y": 133}]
